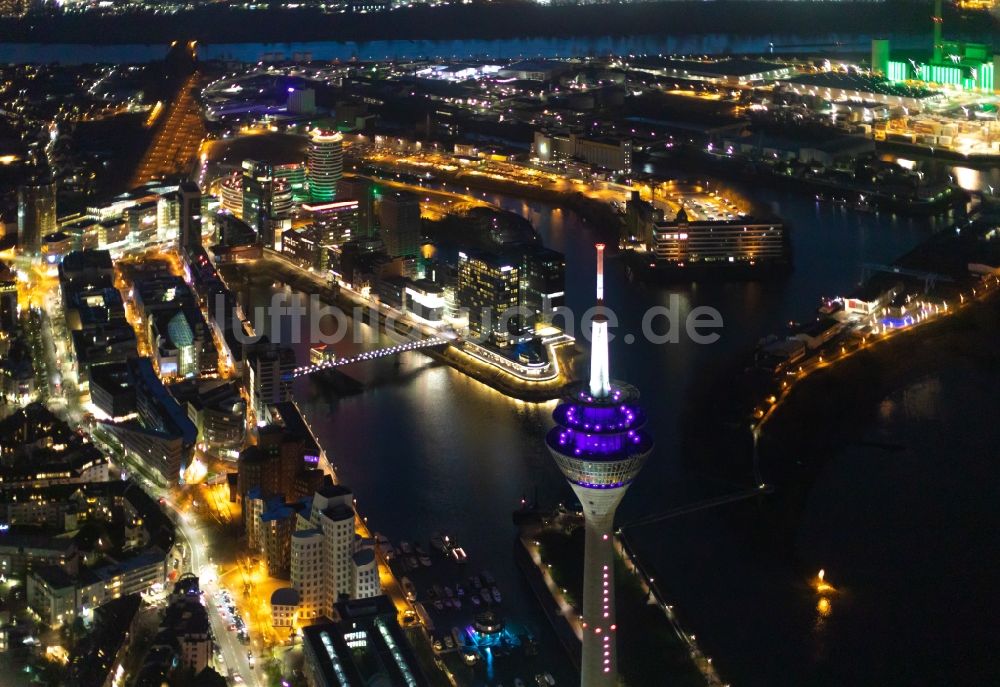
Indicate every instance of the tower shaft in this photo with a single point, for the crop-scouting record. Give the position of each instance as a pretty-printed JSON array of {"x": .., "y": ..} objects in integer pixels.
[
  {"x": 600, "y": 444},
  {"x": 599, "y": 657}
]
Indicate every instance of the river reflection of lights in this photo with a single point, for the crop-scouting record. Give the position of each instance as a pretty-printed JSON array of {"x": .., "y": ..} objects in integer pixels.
[
  {"x": 823, "y": 607},
  {"x": 502, "y": 638}
]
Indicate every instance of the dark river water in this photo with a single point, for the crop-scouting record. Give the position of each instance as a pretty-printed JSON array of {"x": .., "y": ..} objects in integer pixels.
[
  {"x": 426, "y": 449},
  {"x": 499, "y": 49}
]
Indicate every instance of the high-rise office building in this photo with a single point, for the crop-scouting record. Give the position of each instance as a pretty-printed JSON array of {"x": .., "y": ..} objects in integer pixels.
[
  {"x": 257, "y": 184},
  {"x": 326, "y": 164},
  {"x": 361, "y": 190},
  {"x": 489, "y": 286},
  {"x": 599, "y": 444},
  {"x": 327, "y": 560},
  {"x": 36, "y": 212},
  {"x": 543, "y": 283},
  {"x": 267, "y": 200},
  {"x": 189, "y": 228},
  {"x": 399, "y": 219}
]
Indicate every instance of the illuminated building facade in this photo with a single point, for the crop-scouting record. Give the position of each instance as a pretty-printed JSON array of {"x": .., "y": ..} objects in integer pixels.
[
  {"x": 425, "y": 300},
  {"x": 326, "y": 164},
  {"x": 328, "y": 560},
  {"x": 489, "y": 286},
  {"x": 600, "y": 444},
  {"x": 543, "y": 282},
  {"x": 683, "y": 242},
  {"x": 265, "y": 199},
  {"x": 613, "y": 154},
  {"x": 968, "y": 66},
  {"x": 332, "y": 223}
]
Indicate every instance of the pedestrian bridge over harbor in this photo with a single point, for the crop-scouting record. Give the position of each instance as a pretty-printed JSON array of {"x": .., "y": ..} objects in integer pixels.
[{"x": 433, "y": 342}]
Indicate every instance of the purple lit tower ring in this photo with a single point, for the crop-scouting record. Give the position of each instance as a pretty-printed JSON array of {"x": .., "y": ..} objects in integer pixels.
[{"x": 600, "y": 444}]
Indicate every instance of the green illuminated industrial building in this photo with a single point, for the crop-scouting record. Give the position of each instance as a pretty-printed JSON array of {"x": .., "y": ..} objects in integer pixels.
[{"x": 968, "y": 66}]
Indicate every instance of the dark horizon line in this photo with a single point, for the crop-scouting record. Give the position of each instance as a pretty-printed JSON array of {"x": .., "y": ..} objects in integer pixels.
[{"x": 503, "y": 20}]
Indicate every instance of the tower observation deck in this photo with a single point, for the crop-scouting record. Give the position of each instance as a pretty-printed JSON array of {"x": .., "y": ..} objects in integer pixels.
[{"x": 600, "y": 444}]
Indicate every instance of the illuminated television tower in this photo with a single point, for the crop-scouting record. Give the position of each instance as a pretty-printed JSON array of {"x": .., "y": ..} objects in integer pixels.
[{"x": 600, "y": 445}]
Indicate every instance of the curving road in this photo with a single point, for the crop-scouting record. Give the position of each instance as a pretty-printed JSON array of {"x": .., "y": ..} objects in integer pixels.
[{"x": 198, "y": 561}]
